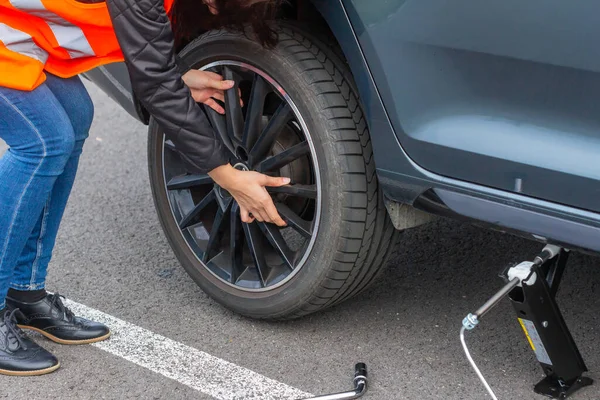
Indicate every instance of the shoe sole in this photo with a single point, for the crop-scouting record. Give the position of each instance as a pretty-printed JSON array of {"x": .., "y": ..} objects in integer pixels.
[
  {"x": 63, "y": 341},
  {"x": 30, "y": 373}
]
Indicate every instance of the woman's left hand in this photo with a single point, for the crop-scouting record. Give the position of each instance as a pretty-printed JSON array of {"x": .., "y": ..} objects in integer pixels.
[{"x": 207, "y": 86}]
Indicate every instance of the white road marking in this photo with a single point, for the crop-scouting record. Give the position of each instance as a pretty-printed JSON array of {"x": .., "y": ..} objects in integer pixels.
[{"x": 187, "y": 365}]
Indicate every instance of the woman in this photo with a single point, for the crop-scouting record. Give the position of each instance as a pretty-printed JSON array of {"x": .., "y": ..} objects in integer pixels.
[{"x": 45, "y": 116}]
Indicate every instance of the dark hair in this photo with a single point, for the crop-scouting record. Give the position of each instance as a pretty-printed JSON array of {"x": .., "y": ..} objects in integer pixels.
[{"x": 192, "y": 17}]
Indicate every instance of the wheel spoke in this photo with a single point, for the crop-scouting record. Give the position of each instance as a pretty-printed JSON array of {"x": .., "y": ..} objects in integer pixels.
[
  {"x": 278, "y": 242},
  {"x": 220, "y": 126},
  {"x": 233, "y": 109},
  {"x": 284, "y": 158},
  {"x": 236, "y": 243},
  {"x": 188, "y": 181},
  {"x": 254, "y": 241},
  {"x": 266, "y": 139},
  {"x": 216, "y": 235},
  {"x": 254, "y": 113},
  {"x": 300, "y": 225},
  {"x": 308, "y": 191},
  {"x": 193, "y": 216}
]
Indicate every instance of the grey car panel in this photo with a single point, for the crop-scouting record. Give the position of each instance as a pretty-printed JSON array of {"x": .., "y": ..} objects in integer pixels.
[{"x": 504, "y": 94}]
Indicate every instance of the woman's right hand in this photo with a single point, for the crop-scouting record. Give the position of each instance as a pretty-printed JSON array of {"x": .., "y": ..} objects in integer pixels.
[{"x": 248, "y": 189}]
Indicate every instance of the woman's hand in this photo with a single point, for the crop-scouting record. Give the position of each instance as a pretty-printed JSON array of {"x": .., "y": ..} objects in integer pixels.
[
  {"x": 248, "y": 189},
  {"x": 207, "y": 86}
]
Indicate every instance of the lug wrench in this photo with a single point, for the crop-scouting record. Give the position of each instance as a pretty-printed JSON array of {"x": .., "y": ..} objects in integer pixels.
[{"x": 360, "y": 386}]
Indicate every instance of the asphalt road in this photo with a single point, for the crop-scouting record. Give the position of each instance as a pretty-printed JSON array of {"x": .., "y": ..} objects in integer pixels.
[{"x": 111, "y": 255}]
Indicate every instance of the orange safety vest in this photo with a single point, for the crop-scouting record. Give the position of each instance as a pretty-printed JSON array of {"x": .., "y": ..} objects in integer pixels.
[{"x": 63, "y": 37}]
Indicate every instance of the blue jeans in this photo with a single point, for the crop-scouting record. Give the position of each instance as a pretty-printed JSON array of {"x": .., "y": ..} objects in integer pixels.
[{"x": 45, "y": 130}]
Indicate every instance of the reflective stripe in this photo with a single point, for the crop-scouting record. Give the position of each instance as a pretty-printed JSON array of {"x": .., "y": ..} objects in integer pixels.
[
  {"x": 69, "y": 37},
  {"x": 22, "y": 43}
]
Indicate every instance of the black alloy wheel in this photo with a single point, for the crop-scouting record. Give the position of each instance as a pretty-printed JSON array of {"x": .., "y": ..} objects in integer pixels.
[{"x": 267, "y": 135}]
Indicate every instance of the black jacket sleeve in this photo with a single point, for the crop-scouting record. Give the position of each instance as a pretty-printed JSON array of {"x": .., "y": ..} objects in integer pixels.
[{"x": 144, "y": 33}]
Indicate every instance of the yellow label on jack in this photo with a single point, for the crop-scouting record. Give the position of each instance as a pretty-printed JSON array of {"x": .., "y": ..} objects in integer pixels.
[
  {"x": 533, "y": 336},
  {"x": 527, "y": 334}
]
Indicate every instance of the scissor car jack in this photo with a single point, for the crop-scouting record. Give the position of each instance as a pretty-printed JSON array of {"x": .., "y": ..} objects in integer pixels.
[{"x": 532, "y": 288}]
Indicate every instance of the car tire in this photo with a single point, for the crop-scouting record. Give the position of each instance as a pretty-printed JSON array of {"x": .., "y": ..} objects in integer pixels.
[{"x": 355, "y": 236}]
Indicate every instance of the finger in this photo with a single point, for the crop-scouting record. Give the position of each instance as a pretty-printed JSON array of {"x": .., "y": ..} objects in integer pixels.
[
  {"x": 274, "y": 216},
  {"x": 245, "y": 216},
  {"x": 215, "y": 106},
  {"x": 260, "y": 217},
  {"x": 240, "y": 96},
  {"x": 219, "y": 95},
  {"x": 213, "y": 75},
  {"x": 220, "y": 85},
  {"x": 275, "y": 181}
]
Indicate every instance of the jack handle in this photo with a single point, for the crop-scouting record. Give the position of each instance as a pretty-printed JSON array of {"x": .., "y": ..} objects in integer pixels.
[{"x": 360, "y": 386}]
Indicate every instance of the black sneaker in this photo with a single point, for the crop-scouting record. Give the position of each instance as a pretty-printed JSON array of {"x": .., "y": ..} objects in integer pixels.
[
  {"x": 53, "y": 319},
  {"x": 19, "y": 355}
]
